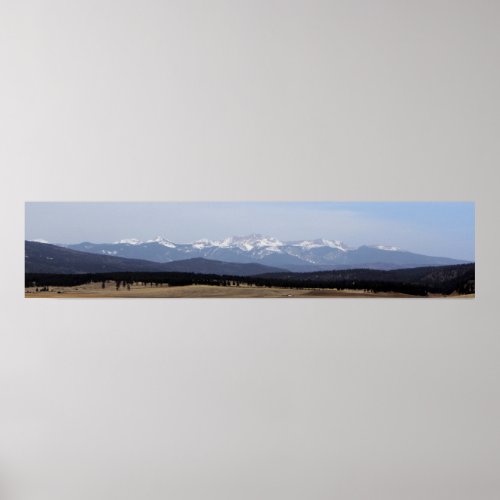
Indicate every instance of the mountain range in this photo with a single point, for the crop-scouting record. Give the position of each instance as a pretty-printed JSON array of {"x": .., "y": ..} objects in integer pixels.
[
  {"x": 295, "y": 256},
  {"x": 52, "y": 259}
]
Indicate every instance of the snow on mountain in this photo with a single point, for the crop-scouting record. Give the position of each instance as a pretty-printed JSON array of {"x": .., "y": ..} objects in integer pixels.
[
  {"x": 247, "y": 243},
  {"x": 162, "y": 241},
  {"x": 244, "y": 243},
  {"x": 387, "y": 248},
  {"x": 134, "y": 241},
  {"x": 294, "y": 255},
  {"x": 309, "y": 244},
  {"x": 203, "y": 243},
  {"x": 129, "y": 241}
]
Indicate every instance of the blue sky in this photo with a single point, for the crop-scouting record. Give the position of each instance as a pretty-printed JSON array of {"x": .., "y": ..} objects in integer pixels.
[{"x": 432, "y": 228}]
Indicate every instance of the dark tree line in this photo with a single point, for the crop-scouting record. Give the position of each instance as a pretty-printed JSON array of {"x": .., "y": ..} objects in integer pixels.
[{"x": 418, "y": 282}]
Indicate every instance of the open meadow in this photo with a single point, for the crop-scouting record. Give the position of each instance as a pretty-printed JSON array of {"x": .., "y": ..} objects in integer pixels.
[{"x": 95, "y": 290}]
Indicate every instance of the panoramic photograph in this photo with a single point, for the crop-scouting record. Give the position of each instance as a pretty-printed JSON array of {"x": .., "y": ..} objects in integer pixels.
[{"x": 249, "y": 249}]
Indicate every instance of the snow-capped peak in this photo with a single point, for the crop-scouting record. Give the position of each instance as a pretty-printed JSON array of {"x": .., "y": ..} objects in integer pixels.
[
  {"x": 233, "y": 242},
  {"x": 129, "y": 241},
  {"x": 40, "y": 240},
  {"x": 203, "y": 243},
  {"x": 247, "y": 243},
  {"x": 321, "y": 242},
  {"x": 268, "y": 242},
  {"x": 258, "y": 240},
  {"x": 336, "y": 244},
  {"x": 162, "y": 241},
  {"x": 387, "y": 248},
  {"x": 255, "y": 243}
]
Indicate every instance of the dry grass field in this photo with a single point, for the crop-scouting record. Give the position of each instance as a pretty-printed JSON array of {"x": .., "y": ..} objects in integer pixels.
[{"x": 95, "y": 290}]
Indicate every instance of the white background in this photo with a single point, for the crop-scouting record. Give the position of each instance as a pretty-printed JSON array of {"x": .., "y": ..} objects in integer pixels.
[{"x": 249, "y": 399}]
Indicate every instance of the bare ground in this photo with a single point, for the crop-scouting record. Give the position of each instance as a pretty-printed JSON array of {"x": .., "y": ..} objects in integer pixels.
[{"x": 95, "y": 290}]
